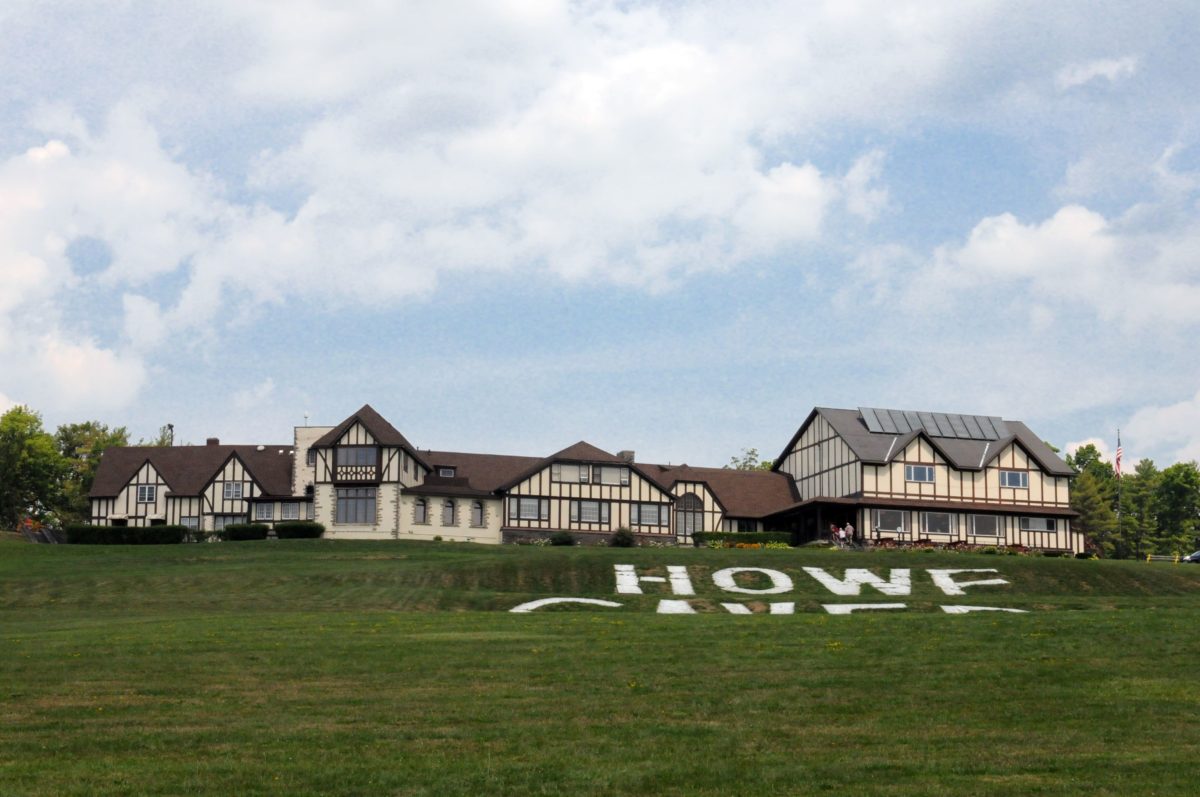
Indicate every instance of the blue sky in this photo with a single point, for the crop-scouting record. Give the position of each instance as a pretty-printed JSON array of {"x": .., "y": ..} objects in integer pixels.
[{"x": 668, "y": 227}]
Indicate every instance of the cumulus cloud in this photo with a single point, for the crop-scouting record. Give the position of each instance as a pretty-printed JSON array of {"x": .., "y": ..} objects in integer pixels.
[
  {"x": 255, "y": 396},
  {"x": 1106, "y": 453},
  {"x": 1171, "y": 427},
  {"x": 1110, "y": 69}
]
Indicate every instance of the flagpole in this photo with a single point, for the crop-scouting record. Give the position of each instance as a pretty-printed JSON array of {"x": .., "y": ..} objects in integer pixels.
[{"x": 1119, "y": 453}]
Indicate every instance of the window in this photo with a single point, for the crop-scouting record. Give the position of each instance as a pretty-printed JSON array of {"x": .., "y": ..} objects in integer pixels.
[
  {"x": 477, "y": 513},
  {"x": 918, "y": 473},
  {"x": 446, "y": 473},
  {"x": 420, "y": 511},
  {"x": 610, "y": 474},
  {"x": 689, "y": 514},
  {"x": 565, "y": 472},
  {"x": 309, "y": 513},
  {"x": 146, "y": 493},
  {"x": 528, "y": 509},
  {"x": 355, "y": 505},
  {"x": 589, "y": 511},
  {"x": 745, "y": 526},
  {"x": 356, "y": 456},
  {"x": 290, "y": 510},
  {"x": 264, "y": 511},
  {"x": 1037, "y": 524},
  {"x": 221, "y": 521},
  {"x": 648, "y": 515},
  {"x": 937, "y": 523},
  {"x": 233, "y": 491},
  {"x": 311, "y": 457},
  {"x": 1014, "y": 478},
  {"x": 448, "y": 513},
  {"x": 891, "y": 520},
  {"x": 984, "y": 525},
  {"x": 190, "y": 522}
]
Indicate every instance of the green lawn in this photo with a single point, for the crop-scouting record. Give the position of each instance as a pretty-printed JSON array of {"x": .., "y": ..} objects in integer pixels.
[{"x": 314, "y": 667}]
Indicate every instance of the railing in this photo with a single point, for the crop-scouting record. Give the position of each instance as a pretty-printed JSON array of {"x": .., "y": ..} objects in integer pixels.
[{"x": 356, "y": 473}]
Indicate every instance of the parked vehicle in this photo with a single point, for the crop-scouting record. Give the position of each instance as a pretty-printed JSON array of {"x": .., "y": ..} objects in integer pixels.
[{"x": 1194, "y": 558}]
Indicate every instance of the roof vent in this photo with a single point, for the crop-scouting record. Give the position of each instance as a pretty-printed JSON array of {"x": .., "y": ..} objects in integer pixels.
[
  {"x": 626, "y": 456},
  {"x": 261, "y": 448},
  {"x": 213, "y": 441}
]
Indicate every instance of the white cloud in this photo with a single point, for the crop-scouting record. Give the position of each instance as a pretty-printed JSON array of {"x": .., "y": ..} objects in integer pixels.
[
  {"x": 254, "y": 397},
  {"x": 1173, "y": 427},
  {"x": 1110, "y": 69},
  {"x": 1106, "y": 453}
]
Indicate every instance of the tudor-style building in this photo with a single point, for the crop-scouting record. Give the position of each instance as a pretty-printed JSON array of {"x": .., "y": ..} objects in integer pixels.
[{"x": 894, "y": 474}]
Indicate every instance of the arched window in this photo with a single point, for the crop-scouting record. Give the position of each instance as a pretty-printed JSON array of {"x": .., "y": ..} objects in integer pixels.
[
  {"x": 689, "y": 515},
  {"x": 420, "y": 511},
  {"x": 447, "y": 513},
  {"x": 477, "y": 513}
]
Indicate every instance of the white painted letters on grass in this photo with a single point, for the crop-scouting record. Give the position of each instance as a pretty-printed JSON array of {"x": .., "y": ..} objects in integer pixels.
[
  {"x": 780, "y": 582},
  {"x": 969, "y": 609},
  {"x": 944, "y": 579},
  {"x": 531, "y": 605},
  {"x": 628, "y": 581},
  {"x": 849, "y": 608},
  {"x": 898, "y": 584}
]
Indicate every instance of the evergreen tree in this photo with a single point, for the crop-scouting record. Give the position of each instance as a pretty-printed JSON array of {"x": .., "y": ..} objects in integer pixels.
[
  {"x": 1096, "y": 519},
  {"x": 1139, "y": 509},
  {"x": 1178, "y": 502}
]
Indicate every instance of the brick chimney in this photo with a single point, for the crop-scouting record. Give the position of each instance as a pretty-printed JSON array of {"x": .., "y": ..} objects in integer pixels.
[
  {"x": 626, "y": 456},
  {"x": 213, "y": 441}
]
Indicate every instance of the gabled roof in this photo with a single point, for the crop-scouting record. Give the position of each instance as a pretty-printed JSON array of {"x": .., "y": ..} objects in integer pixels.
[
  {"x": 584, "y": 451},
  {"x": 961, "y": 452},
  {"x": 474, "y": 474},
  {"x": 187, "y": 470},
  {"x": 383, "y": 432},
  {"x": 742, "y": 493}
]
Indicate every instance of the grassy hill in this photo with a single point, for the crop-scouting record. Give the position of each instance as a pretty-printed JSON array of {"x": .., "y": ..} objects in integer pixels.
[{"x": 316, "y": 667}]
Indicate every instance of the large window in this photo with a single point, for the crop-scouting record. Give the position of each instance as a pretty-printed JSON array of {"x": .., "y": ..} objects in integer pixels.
[
  {"x": 311, "y": 457},
  {"x": 355, "y": 505},
  {"x": 589, "y": 511},
  {"x": 356, "y": 455},
  {"x": 190, "y": 522},
  {"x": 1037, "y": 524},
  {"x": 610, "y": 474},
  {"x": 221, "y": 521},
  {"x": 918, "y": 473},
  {"x": 264, "y": 511},
  {"x": 291, "y": 510},
  {"x": 689, "y": 514},
  {"x": 233, "y": 491},
  {"x": 746, "y": 526},
  {"x": 448, "y": 513},
  {"x": 1014, "y": 478},
  {"x": 566, "y": 472},
  {"x": 937, "y": 523},
  {"x": 894, "y": 520},
  {"x": 528, "y": 509},
  {"x": 477, "y": 513},
  {"x": 420, "y": 511},
  {"x": 146, "y": 493},
  {"x": 983, "y": 525},
  {"x": 648, "y": 514}
]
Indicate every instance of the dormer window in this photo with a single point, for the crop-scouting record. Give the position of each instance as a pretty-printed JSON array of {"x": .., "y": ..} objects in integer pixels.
[
  {"x": 571, "y": 473},
  {"x": 918, "y": 473},
  {"x": 233, "y": 491},
  {"x": 611, "y": 474},
  {"x": 446, "y": 473},
  {"x": 1018, "y": 479},
  {"x": 146, "y": 493}
]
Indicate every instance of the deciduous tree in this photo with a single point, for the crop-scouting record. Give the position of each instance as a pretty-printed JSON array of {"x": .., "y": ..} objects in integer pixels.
[{"x": 31, "y": 469}]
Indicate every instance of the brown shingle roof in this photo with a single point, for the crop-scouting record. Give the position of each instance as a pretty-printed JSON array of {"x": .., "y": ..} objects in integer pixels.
[
  {"x": 187, "y": 470},
  {"x": 483, "y": 474},
  {"x": 743, "y": 493},
  {"x": 374, "y": 423}
]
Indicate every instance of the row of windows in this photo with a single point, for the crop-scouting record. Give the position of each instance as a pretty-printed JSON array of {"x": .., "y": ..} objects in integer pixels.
[
  {"x": 896, "y": 520},
  {"x": 589, "y": 474},
  {"x": 360, "y": 456},
  {"x": 288, "y": 510},
  {"x": 147, "y": 493},
  {"x": 449, "y": 512},
  {"x": 1008, "y": 478}
]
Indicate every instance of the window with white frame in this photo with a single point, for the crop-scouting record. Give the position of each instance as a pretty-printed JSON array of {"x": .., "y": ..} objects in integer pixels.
[
  {"x": 589, "y": 511},
  {"x": 477, "y": 513},
  {"x": 146, "y": 493},
  {"x": 233, "y": 491},
  {"x": 937, "y": 523},
  {"x": 983, "y": 525},
  {"x": 1037, "y": 524},
  {"x": 190, "y": 522},
  {"x": 1018, "y": 479},
  {"x": 570, "y": 472},
  {"x": 355, "y": 505},
  {"x": 221, "y": 521},
  {"x": 528, "y": 509},
  {"x": 264, "y": 511},
  {"x": 446, "y": 473},
  {"x": 290, "y": 510},
  {"x": 648, "y": 515},
  {"x": 918, "y": 473},
  {"x": 610, "y": 474},
  {"x": 448, "y": 513},
  {"x": 893, "y": 520}
]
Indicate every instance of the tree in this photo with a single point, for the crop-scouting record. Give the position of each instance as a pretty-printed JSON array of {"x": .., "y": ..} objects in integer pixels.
[
  {"x": 1178, "y": 501},
  {"x": 749, "y": 461},
  {"x": 1139, "y": 508},
  {"x": 166, "y": 437},
  {"x": 81, "y": 445},
  {"x": 31, "y": 469},
  {"x": 1096, "y": 519}
]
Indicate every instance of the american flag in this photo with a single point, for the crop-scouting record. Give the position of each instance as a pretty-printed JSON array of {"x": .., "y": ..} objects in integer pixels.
[{"x": 1120, "y": 451}]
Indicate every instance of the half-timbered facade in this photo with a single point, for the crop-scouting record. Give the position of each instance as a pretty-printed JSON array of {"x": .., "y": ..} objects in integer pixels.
[
  {"x": 928, "y": 476},
  {"x": 905, "y": 476}
]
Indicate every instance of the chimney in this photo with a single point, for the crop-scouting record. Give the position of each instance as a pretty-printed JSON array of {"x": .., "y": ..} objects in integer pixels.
[
  {"x": 626, "y": 456},
  {"x": 213, "y": 441}
]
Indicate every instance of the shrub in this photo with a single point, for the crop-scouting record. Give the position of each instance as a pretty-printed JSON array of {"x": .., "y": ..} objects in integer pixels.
[
  {"x": 622, "y": 538},
  {"x": 298, "y": 530},
  {"x": 562, "y": 538},
  {"x": 702, "y": 537},
  {"x": 83, "y": 534},
  {"x": 777, "y": 546},
  {"x": 235, "y": 532}
]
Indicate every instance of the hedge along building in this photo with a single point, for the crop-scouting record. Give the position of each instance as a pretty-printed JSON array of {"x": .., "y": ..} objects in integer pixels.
[
  {"x": 363, "y": 479},
  {"x": 919, "y": 475}
]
